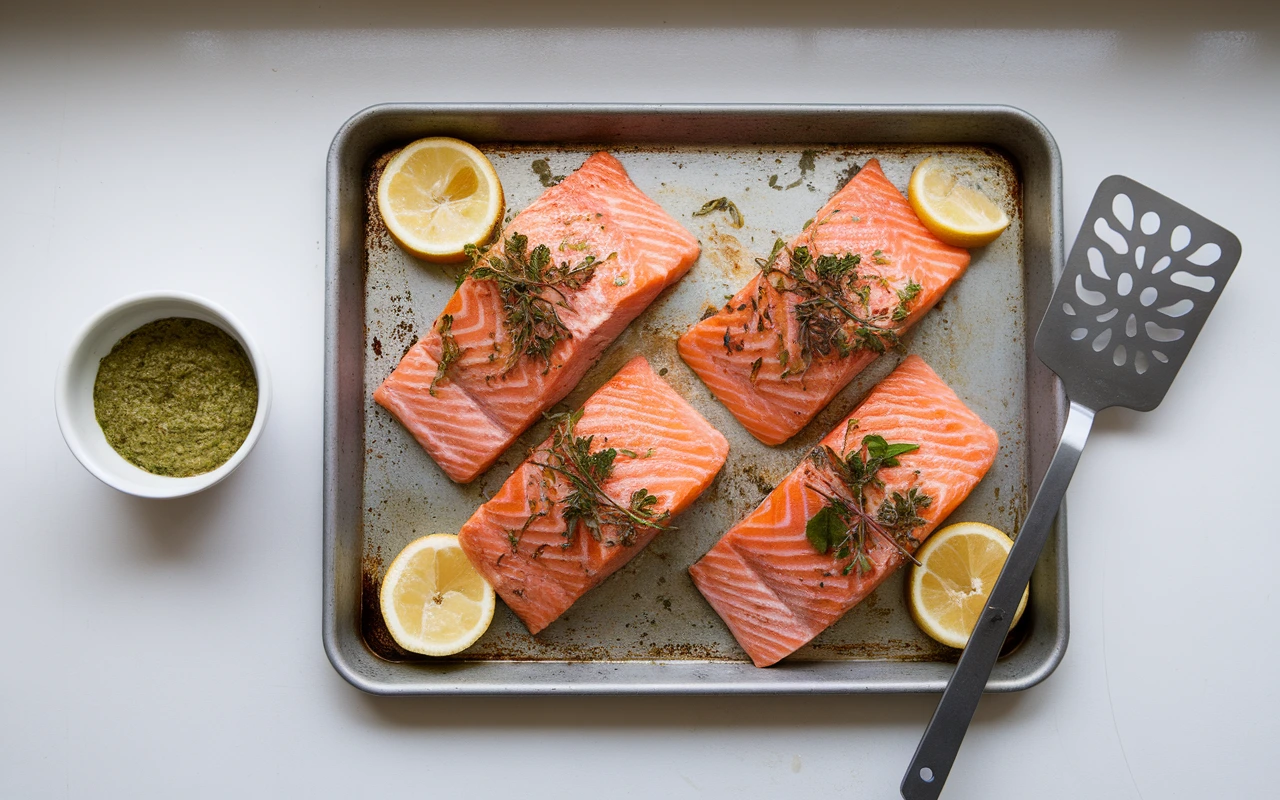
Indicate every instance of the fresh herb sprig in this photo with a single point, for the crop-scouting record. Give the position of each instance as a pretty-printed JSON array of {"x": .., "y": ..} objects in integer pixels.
[
  {"x": 833, "y": 312},
  {"x": 450, "y": 352},
  {"x": 845, "y": 525},
  {"x": 534, "y": 287},
  {"x": 722, "y": 204},
  {"x": 570, "y": 458}
]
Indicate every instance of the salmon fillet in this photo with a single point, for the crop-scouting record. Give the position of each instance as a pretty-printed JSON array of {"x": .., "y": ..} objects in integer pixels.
[
  {"x": 771, "y": 585},
  {"x": 749, "y": 352},
  {"x": 539, "y": 562},
  {"x": 487, "y": 396}
]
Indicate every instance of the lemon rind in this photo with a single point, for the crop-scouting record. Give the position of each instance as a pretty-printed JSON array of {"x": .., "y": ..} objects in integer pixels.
[
  {"x": 928, "y": 622},
  {"x": 441, "y": 251},
  {"x": 418, "y": 645},
  {"x": 946, "y": 229}
]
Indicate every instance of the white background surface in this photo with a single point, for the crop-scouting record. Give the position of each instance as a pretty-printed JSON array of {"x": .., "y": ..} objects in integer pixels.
[{"x": 173, "y": 648}]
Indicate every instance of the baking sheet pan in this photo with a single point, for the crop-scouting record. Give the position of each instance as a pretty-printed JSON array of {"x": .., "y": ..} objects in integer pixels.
[{"x": 646, "y": 629}]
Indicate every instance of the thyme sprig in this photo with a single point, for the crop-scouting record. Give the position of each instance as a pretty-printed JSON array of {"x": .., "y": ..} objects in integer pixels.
[
  {"x": 834, "y": 312},
  {"x": 570, "y": 457},
  {"x": 534, "y": 287},
  {"x": 845, "y": 525},
  {"x": 450, "y": 352}
]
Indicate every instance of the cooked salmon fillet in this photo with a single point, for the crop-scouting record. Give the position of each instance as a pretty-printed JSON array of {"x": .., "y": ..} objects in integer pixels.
[
  {"x": 738, "y": 351},
  {"x": 479, "y": 406},
  {"x": 765, "y": 579},
  {"x": 520, "y": 540}
]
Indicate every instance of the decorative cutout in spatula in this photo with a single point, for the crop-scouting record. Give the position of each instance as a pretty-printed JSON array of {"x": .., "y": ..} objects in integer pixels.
[{"x": 1141, "y": 279}]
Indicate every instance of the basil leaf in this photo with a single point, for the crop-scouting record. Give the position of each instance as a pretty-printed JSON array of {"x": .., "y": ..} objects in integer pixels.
[
  {"x": 876, "y": 446},
  {"x": 824, "y": 529},
  {"x": 892, "y": 452}
]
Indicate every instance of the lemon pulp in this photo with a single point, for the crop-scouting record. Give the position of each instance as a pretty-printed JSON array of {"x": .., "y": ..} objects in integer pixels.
[
  {"x": 955, "y": 213},
  {"x": 958, "y": 568},
  {"x": 433, "y": 601},
  {"x": 438, "y": 195}
]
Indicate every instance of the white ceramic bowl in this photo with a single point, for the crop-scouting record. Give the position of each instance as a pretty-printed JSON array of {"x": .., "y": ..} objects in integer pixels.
[{"x": 73, "y": 397}]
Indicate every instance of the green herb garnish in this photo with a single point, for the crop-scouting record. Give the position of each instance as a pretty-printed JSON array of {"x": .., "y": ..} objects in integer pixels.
[
  {"x": 533, "y": 287},
  {"x": 721, "y": 204},
  {"x": 833, "y": 313},
  {"x": 570, "y": 457},
  {"x": 449, "y": 352},
  {"x": 543, "y": 170},
  {"x": 806, "y": 166},
  {"x": 807, "y": 159},
  {"x": 906, "y": 295},
  {"x": 844, "y": 525}
]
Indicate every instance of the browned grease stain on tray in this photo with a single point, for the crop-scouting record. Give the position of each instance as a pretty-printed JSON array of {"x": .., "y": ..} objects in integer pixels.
[
  {"x": 631, "y": 615},
  {"x": 374, "y": 630}
]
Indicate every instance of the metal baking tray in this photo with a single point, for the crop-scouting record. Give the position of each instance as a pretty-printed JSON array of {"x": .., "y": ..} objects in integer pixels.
[{"x": 646, "y": 629}]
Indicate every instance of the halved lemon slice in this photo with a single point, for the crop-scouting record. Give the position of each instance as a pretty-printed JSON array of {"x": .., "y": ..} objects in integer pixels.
[
  {"x": 955, "y": 213},
  {"x": 439, "y": 195},
  {"x": 433, "y": 601},
  {"x": 958, "y": 568}
]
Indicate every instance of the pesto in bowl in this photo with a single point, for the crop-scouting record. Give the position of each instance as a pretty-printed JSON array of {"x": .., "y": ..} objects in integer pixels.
[
  {"x": 182, "y": 383},
  {"x": 176, "y": 397}
]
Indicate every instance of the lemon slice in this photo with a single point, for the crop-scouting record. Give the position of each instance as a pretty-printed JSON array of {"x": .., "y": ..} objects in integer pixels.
[
  {"x": 433, "y": 601},
  {"x": 439, "y": 195},
  {"x": 955, "y": 213},
  {"x": 958, "y": 568}
]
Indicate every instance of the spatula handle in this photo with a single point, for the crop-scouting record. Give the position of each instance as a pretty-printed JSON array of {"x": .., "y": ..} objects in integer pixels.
[{"x": 937, "y": 751}]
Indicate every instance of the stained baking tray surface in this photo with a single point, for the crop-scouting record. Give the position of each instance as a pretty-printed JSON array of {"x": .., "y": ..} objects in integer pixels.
[{"x": 646, "y": 629}]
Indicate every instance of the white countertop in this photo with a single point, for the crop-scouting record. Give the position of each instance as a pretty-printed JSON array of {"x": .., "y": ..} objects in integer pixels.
[{"x": 160, "y": 649}]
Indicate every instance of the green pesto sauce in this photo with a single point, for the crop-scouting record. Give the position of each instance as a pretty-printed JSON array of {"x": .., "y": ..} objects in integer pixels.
[{"x": 176, "y": 397}]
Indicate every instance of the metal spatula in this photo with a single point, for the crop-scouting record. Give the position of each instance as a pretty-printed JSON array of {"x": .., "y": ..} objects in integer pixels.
[{"x": 1141, "y": 279}]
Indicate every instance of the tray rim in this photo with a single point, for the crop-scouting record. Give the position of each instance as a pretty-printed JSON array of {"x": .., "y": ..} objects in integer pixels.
[{"x": 653, "y": 677}]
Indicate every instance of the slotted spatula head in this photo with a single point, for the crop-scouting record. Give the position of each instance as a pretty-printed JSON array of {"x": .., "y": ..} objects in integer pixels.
[{"x": 1141, "y": 279}]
